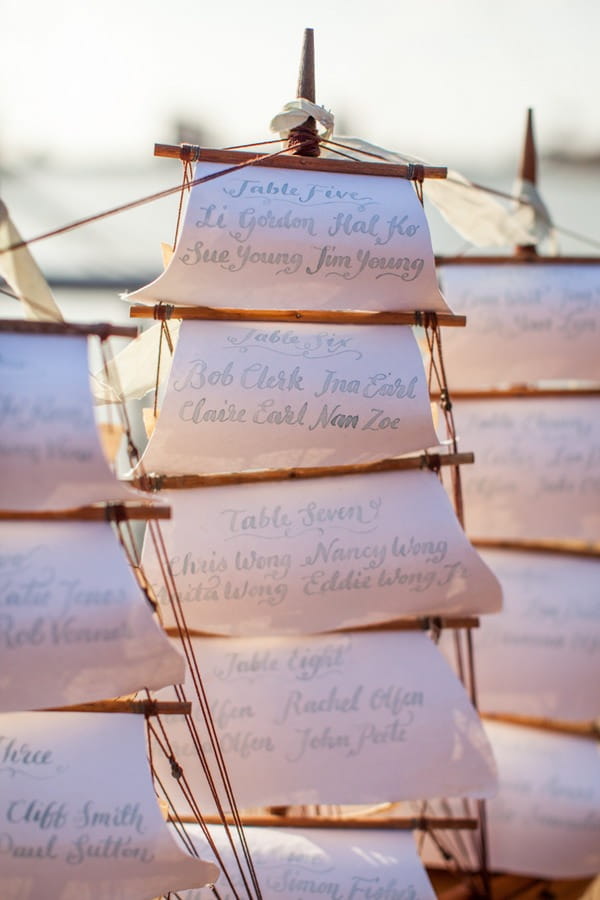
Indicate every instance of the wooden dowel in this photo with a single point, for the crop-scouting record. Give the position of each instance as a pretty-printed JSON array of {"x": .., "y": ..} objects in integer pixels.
[
  {"x": 589, "y": 730},
  {"x": 286, "y": 161},
  {"x": 431, "y": 461},
  {"x": 100, "y": 329},
  {"x": 304, "y": 138},
  {"x": 104, "y": 513},
  {"x": 523, "y": 391},
  {"x": 136, "y": 707},
  {"x": 517, "y": 260},
  {"x": 421, "y": 623},
  {"x": 296, "y": 316},
  {"x": 403, "y": 823},
  {"x": 564, "y": 547}
]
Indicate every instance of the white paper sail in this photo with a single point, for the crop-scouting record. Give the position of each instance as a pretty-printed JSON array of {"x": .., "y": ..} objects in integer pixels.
[
  {"x": 78, "y": 814},
  {"x": 273, "y": 238},
  {"x": 342, "y": 864},
  {"x": 74, "y": 624},
  {"x": 536, "y": 472},
  {"x": 318, "y": 554},
  {"x": 545, "y": 820},
  {"x": 49, "y": 445},
  {"x": 541, "y": 656},
  {"x": 243, "y": 396},
  {"x": 355, "y": 718},
  {"x": 527, "y": 323}
]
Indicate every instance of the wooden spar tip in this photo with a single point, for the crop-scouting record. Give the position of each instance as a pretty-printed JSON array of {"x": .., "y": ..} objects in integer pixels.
[
  {"x": 574, "y": 548},
  {"x": 102, "y": 330},
  {"x": 590, "y": 730},
  {"x": 517, "y": 260},
  {"x": 401, "y": 823},
  {"x": 421, "y": 318},
  {"x": 523, "y": 391},
  {"x": 188, "y": 152},
  {"x": 421, "y": 623},
  {"x": 424, "y": 461},
  {"x": 134, "y": 707},
  {"x": 105, "y": 512},
  {"x": 303, "y": 140},
  {"x": 528, "y": 172}
]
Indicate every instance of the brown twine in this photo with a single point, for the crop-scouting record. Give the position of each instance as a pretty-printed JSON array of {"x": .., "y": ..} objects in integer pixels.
[{"x": 185, "y": 184}]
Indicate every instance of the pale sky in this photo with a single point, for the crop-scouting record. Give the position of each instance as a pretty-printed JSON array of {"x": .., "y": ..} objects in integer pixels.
[{"x": 448, "y": 80}]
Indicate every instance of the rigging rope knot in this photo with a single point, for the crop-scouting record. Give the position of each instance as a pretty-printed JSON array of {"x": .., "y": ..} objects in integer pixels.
[
  {"x": 445, "y": 401},
  {"x": 176, "y": 770},
  {"x": 150, "y": 708},
  {"x": 115, "y": 512},
  {"x": 190, "y": 152},
  {"x": 163, "y": 311}
]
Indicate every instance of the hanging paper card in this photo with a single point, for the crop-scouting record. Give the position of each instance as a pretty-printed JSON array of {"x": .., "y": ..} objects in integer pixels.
[
  {"x": 49, "y": 445},
  {"x": 536, "y": 472},
  {"x": 336, "y": 719},
  {"x": 289, "y": 239},
  {"x": 74, "y": 624},
  {"x": 78, "y": 812},
  {"x": 527, "y": 323},
  {"x": 545, "y": 820},
  {"x": 243, "y": 397},
  {"x": 292, "y": 863},
  {"x": 318, "y": 554},
  {"x": 541, "y": 656}
]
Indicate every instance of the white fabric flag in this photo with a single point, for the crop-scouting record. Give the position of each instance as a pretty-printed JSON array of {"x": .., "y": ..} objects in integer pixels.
[
  {"x": 78, "y": 813},
  {"x": 74, "y": 624},
  {"x": 265, "y": 237},
  {"x": 541, "y": 655},
  {"x": 343, "y": 865},
  {"x": 318, "y": 554},
  {"x": 526, "y": 323},
  {"x": 242, "y": 396},
  {"x": 49, "y": 445},
  {"x": 536, "y": 466},
  {"x": 354, "y": 718}
]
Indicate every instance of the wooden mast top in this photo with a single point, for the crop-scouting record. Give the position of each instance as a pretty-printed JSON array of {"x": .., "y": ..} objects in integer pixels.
[
  {"x": 303, "y": 140},
  {"x": 528, "y": 172}
]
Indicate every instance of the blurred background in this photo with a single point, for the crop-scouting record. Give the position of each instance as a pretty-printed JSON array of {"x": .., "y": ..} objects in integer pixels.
[{"x": 87, "y": 88}]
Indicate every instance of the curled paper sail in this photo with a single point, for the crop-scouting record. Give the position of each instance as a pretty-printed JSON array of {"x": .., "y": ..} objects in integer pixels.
[
  {"x": 536, "y": 472},
  {"x": 49, "y": 445},
  {"x": 527, "y": 323},
  {"x": 541, "y": 656},
  {"x": 242, "y": 396},
  {"x": 78, "y": 813},
  {"x": 292, "y": 863},
  {"x": 355, "y": 718},
  {"x": 318, "y": 554},
  {"x": 21, "y": 272},
  {"x": 74, "y": 624},
  {"x": 264, "y": 237},
  {"x": 545, "y": 819}
]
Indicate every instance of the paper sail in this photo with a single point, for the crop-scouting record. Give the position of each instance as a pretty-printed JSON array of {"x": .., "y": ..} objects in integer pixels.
[
  {"x": 541, "y": 656},
  {"x": 536, "y": 472},
  {"x": 49, "y": 445},
  {"x": 527, "y": 323},
  {"x": 78, "y": 813},
  {"x": 336, "y": 719},
  {"x": 318, "y": 554},
  {"x": 74, "y": 624},
  {"x": 348, "y": 863},
  {"x": 287, "y": 239},
  {"x": 545, "y": 820},
  {"x": 243, "y": 397}
]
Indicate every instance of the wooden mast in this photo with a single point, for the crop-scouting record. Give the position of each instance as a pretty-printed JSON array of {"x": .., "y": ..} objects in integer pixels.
[
  {"x": 303, "y": 140},
  {"x": 528, "y": 172}
]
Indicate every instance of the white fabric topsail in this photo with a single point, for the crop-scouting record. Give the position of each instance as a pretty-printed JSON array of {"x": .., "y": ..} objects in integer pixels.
[
  {"x": 353, "y": 718},
  {"x": 527, "y": 323},
  {"x": 243, "y": 396},
  {"x": 78, "y": 812},
  {"x": 342, "y": 864},
  {"x": 74, "y": 624},
  {"x": 49, "y": 445},
  {"x": 275, "y": 238},
  {"x": 319, "y": 554}
]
